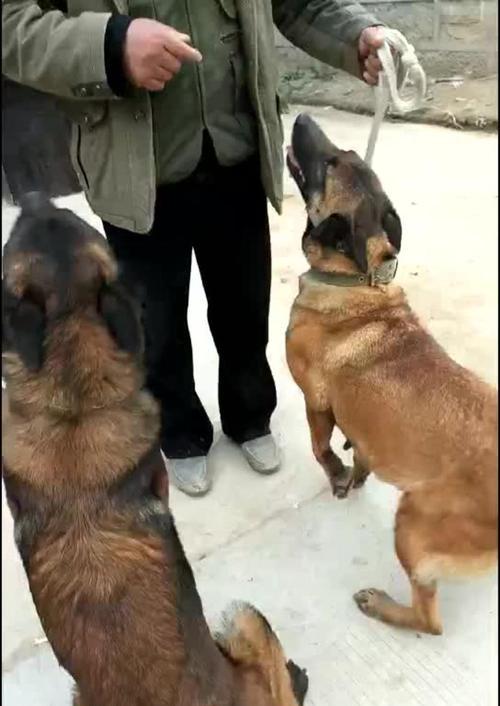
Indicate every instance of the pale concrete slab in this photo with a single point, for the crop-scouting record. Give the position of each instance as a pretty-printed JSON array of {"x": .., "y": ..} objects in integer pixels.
[{"x": 281, "y": 541}]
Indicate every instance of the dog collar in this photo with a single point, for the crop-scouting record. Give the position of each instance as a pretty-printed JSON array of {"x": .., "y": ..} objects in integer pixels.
[{"x": 383, "y": 274}]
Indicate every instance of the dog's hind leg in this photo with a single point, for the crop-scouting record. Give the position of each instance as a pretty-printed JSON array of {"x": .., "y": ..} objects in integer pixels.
[
  {"x": 321, "y": 426},
  {"x": 423, "y": 614}
]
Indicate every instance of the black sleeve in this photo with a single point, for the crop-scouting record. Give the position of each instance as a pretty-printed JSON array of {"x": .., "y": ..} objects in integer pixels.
[{"x": 114, "y": 40}]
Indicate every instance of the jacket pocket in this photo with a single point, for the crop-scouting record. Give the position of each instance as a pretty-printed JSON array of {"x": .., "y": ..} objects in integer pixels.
[
  {"x": 86, "y": 114},
  {"x": 90, "y": 140},
  {"x": 241, "y": 100},
  {"x": 229, "y": 8},
  {"x": 279, "y": 111}
]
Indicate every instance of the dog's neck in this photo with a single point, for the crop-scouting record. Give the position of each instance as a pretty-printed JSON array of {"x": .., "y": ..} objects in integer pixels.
[
  {"x": 382, "y": 275},
  {"x": 342, "y": 303},
  {"x": 83, "y": 372},
  {"x": 83, "y": 420}
]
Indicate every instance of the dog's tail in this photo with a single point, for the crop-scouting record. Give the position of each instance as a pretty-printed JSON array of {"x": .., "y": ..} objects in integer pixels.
[{"x": 246, "y": 638}]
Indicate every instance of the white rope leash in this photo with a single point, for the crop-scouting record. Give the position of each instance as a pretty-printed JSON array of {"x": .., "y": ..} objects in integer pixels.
[{"x": 392, "y": 80}]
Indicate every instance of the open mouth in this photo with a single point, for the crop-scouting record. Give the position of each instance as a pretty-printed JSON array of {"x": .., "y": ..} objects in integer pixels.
[{"x": 294, "y": 168}]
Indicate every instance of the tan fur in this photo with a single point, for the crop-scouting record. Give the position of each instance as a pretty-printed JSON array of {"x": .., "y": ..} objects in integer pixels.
[
  {"x": 338, "y": 195},
  {"x": 377, "y": 248},
  {"x": 442, "y": 566},
  {"x": 414, "y": 417},
  {"x": 19, "y": 272},
  {"x": 248, "y": 641},
  {"x": 100, "y": 253}
]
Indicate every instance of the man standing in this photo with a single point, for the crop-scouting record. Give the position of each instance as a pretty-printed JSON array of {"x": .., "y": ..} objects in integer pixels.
[{"x": 178, "y": 149}]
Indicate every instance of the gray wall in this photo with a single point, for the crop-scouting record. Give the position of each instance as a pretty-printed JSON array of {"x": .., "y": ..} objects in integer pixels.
[{"x": 452, "y": 37}]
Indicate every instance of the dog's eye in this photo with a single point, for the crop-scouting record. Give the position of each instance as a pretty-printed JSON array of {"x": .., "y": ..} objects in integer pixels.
[{"x": 332, "y": 162}]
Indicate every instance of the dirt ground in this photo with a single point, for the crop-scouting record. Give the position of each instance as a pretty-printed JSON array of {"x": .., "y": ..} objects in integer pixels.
[
  {"x": 452, "y": 101},
  {"x": 282, "y": 542}
]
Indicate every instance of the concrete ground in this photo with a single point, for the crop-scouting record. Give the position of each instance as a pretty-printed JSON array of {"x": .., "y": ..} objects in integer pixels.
[{"x": 282, "y": 542}]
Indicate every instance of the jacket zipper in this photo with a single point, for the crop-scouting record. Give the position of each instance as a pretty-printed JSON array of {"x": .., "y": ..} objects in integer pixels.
[
  {"x": 78, "y": 158},
  {"x": 197, "y": 67}
]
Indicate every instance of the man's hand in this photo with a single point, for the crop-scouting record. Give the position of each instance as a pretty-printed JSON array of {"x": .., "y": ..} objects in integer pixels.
[
  {"x": 154, "y": 53},
  {"x": 370, "y": 40}
]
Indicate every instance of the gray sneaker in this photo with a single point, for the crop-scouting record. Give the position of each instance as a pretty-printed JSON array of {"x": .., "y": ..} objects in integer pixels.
[
  {"x": 190, "y": 474},
  {"x": 262, "y": 454}
]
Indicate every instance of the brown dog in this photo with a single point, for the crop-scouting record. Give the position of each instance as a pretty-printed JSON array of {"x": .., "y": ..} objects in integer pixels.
[
  {"x": 413, "y": 416},
  {"x": 89, "y": 493}
]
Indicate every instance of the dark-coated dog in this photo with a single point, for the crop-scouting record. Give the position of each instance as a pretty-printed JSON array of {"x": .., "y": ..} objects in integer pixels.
[
  {"x": 88, "y": 491},
  {"x": 364, "y": 362}
]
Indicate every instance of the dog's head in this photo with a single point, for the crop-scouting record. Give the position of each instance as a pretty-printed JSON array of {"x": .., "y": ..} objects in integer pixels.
[
  {"x": 352, "y": 225},
  {"x": 55, "y": 266}
]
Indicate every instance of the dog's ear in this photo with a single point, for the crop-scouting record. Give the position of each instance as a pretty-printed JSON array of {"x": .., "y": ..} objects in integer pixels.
[
  {"x": 23, "y": 328},
  {"x": 309, "y": 228},
  {"x": 344, "y": 234},
  {"x": 121, "y": 318},
  {"x": 357, "y": 246},
  {"x": 333, "y": 231},
  {"x": 391, "y": 224}
]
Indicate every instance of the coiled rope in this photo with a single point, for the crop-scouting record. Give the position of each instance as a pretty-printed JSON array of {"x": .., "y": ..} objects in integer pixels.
[{"x": 396, "y": 72}]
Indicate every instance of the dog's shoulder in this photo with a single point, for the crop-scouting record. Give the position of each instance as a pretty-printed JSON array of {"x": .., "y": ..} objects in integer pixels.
[
  {"x": 143, "y": 491},
  {"x": 136, "y": 483}
]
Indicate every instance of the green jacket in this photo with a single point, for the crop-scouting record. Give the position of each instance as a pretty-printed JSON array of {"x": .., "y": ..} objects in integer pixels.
[{"x": 112, "y": 140}]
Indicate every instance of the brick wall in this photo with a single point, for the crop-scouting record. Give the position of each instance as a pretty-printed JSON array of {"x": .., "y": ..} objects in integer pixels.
[{"x": 451, "y": 36}]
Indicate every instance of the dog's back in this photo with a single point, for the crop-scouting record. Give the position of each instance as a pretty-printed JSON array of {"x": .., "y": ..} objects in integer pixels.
[
  {"x": 82, "y": 468},
  {"x": 88, "y": 489},
  {"x": 439, "y": 416}
]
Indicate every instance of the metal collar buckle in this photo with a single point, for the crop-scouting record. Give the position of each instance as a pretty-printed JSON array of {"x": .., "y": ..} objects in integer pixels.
[{"x": 385, "y": 273}]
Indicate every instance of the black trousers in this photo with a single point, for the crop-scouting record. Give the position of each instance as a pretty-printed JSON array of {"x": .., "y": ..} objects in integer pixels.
[{"x": 221, "y": 214}]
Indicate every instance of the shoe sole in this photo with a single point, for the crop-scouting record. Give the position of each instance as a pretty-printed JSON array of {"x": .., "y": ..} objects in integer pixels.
[{"x": 262, "y": 471}]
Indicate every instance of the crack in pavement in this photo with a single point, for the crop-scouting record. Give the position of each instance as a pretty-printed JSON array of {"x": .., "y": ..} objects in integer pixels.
[{"x": 232, "y": 539}]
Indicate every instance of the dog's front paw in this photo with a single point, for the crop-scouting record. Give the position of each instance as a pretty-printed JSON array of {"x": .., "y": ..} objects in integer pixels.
[{"x": 300, "y": 681}]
